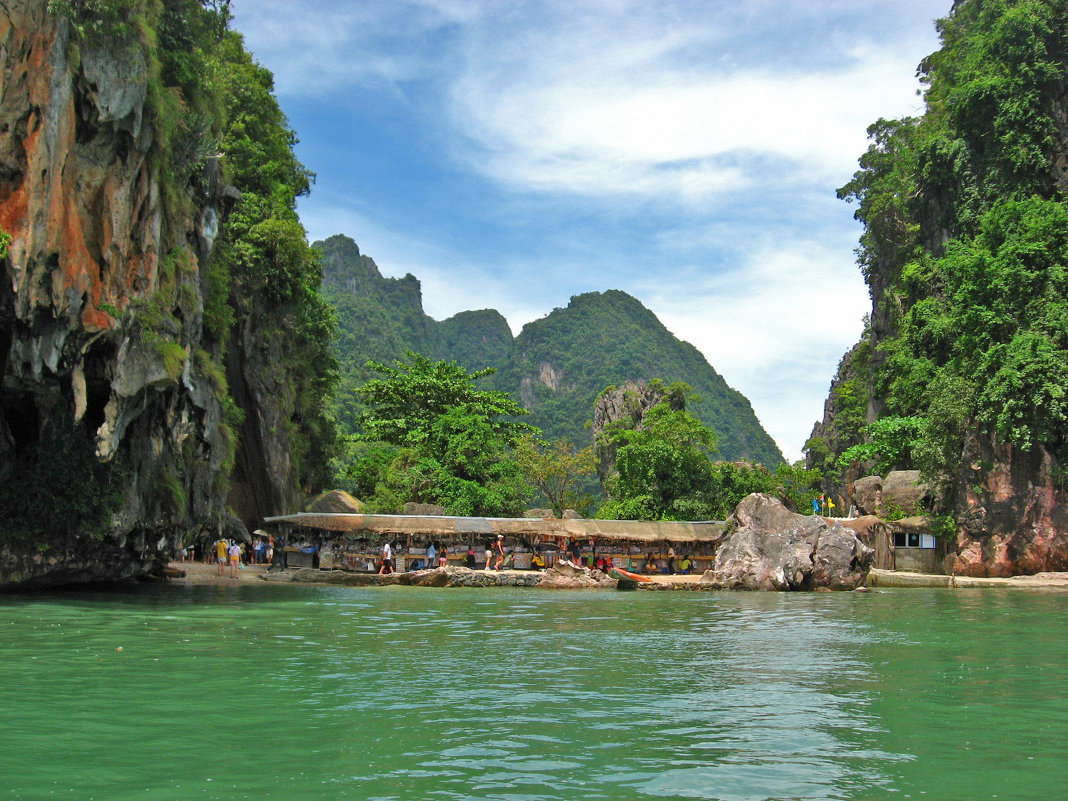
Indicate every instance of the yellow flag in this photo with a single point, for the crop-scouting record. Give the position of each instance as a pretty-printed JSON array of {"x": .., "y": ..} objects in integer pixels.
[{"x": 830, "y": 503}]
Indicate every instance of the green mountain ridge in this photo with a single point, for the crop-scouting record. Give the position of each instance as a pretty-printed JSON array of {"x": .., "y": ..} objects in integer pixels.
[{"x": 556, "y": 366}]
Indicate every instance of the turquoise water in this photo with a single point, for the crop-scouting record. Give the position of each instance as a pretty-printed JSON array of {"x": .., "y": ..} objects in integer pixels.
[{"x": 397, "y": 693}]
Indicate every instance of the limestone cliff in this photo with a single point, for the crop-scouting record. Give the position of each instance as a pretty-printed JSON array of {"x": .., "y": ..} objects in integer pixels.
[
  {"x": 119, "y": 323},
  {"x": 964, "y": 212},
  {"x": 86, "y": 372}
]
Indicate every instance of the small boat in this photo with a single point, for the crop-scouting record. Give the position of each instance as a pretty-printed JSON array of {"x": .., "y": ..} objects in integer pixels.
[{"x": 620, "y": 574}]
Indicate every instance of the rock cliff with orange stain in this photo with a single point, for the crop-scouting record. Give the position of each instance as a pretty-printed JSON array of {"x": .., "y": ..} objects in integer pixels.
[
  {"x": 1013, "y": 517},
  {"x": 81, "y": 200}
]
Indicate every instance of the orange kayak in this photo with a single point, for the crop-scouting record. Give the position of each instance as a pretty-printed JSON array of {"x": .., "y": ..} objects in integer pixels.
[{"x": 620, "y": 573}]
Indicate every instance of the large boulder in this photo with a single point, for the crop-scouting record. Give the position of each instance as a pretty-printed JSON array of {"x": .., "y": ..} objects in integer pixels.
[
  {"x": 877, "y": 534},
  {"x": 902, "y": 493},
  {"x": 334, "y": 502},
  {"x": 867, "y": 494},
  {"x": 768, "y": 547}
]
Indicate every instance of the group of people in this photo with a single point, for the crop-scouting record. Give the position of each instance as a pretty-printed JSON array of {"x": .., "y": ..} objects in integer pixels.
[
  {"x": 230, "y": 554},
  {"x": 227, "y": 552},
  {"x": 668, "y": 566},
  {"x": 436, "y": 556},
  {"x": 499, "y": 557}
]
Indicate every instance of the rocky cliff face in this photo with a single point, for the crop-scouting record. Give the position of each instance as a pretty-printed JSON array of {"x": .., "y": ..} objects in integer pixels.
[
  {"x": 1013, "y": 515},
  {"x": 110, "y": 427},
  {"x": 942, "y": 178},
  {"x": 624, "y": 407}
]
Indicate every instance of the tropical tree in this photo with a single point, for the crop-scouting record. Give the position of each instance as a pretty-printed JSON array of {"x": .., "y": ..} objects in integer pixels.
[
  {"x": 890, "y": 442},
  {"x": 553, "y": 469},
  {"x": 404, "y": 406},
  {"x": 663, "y": 467},
  {"x": 453, "y": 440}
]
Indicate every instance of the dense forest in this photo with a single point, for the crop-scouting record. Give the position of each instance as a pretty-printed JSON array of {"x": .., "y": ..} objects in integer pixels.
[
  {"x": 556, "y": 366},
  {"x": 963, "y": 370}
]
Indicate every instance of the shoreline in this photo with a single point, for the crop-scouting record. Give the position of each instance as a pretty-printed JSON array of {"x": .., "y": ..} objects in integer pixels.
[
  {"x": 200, "y": 574},
  {"x": 903, "y": 578}
]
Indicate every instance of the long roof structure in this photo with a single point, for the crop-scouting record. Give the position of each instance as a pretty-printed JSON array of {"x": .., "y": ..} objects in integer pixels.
[{"x": 440, "y": 525}]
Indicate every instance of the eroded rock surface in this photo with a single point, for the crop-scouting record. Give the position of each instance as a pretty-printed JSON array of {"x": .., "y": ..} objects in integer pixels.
[
  {"x": 868, "y": 494},
  {"x": 768, "y": 547},
  {"x": 566, "y": 576},
  {"x": 1013, "y": 514},
  {"x": 82, "y": 372}
]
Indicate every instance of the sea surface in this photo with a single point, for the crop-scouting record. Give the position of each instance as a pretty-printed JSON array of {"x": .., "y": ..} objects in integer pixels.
[{"x": 296, "y": 693}]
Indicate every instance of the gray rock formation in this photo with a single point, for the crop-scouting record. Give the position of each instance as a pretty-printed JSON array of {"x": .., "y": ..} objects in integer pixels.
[
  {"x": 868, "y": 494},
  {"x": 334, "y": 502},
  {"x": 565, "y": 576},
  {"x": 877, "y": 534},
  {"x": 624, "y": 406},
  {"x": 768, "y": 547},
  {"x": 903, "y": 493},
  {"x": 111, "y": 431}
]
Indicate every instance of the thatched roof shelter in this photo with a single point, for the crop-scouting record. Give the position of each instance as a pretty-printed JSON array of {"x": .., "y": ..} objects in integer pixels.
[{"x": 442, "y": 526}]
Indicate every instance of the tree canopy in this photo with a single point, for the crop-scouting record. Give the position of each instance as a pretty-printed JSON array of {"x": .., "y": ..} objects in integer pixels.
[
  {"x": 406, "y": 406},
  {"x": 452, "y": 441},
  {"x": 965, "y": 245}
]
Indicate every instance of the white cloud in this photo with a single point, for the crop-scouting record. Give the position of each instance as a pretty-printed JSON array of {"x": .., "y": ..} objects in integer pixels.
[
  {"x": 774, "y": 327},
  {"x": 609, "y": 107},
  {"x": 320, "y": 47},
  {"x": 695, "y": 145},
  {"x": 673, "y": 137}
]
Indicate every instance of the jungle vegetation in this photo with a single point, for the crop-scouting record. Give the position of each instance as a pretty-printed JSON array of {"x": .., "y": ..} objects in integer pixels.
[
  {"x": 429, "y": 435},
  {"x": 965, "y": 248},
  {"x": 556, "y": 366}
]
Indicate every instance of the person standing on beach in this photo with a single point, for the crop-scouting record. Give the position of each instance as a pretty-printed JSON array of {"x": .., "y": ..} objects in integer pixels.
[
  {"x": 431, "y": 557},
  {"x": 443, "y": 557},
  {"x": 387, "y": 560},
  {"x": 489, "y": 556},
  {"x": 279, "y": 556},
  {"x": 498, "y": 548},
  {"x": 221, "y": 556},
  {"x": 235, "y": 558}
]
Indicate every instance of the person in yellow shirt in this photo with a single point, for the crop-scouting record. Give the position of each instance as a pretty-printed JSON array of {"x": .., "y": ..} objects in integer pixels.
[{"x": 220, "y": 556}]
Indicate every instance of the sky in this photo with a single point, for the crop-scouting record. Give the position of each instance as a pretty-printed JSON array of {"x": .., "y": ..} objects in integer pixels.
[{"x": 513, "y": 153}]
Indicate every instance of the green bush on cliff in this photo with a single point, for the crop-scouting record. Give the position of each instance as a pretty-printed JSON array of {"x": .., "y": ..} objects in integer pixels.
[
  {"x": 966, "y": 240},
  {"x": 268, "y": 273},
  {"x": 889, "y": 444}
]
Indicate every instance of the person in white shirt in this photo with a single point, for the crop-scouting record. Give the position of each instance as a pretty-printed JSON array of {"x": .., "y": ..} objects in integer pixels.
[{"x": 387, "y": 559}]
